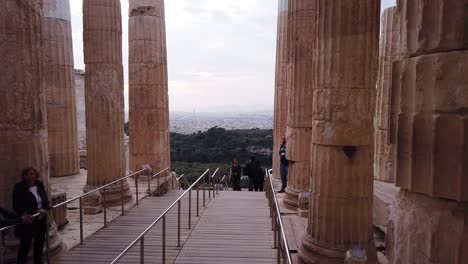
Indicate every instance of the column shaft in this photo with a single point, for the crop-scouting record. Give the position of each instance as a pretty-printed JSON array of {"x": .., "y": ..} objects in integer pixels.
[
  {"x": 280, "y": 108},
  {"x": 149, "y": 101},
  {"x": 59, "y": 87},
  {"x": 345, "y": 71},
  {"x": 301, "y": 20},
  {"x": 104, "y": 93},
  {"x": 23, "y": 126}
]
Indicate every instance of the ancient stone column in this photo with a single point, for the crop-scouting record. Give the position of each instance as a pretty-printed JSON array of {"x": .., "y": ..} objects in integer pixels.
[
  {"x": 385, "y": 149},
  {"x": 428, "y": 223},
  {"x": 345, "y": 71},
  {"x": 23, "y": 126},
  {"x": 280, "y": 107},
  {"x": 102, "y": 34},
  {"x": 299, "y": 100},
  {"x": 149, "y": 100},
  {"x": 59, "y": 86}
]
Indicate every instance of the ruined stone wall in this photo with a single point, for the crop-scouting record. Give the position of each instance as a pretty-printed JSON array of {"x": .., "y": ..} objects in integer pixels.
[
  {"x": 280, "y": 107},
  {"x": 23, "y": 126},
  {"x": 80, "y": 108},
  {"x": 149, "y": 100},
  {"x": 59, "y": 86},
  {"x": 429, "y": 100}
]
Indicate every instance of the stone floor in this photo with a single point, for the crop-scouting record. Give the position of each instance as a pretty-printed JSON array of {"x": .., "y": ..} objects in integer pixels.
[{"x": 73, "y": 186}]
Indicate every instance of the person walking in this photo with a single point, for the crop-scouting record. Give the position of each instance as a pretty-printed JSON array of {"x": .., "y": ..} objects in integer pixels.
[
  {"x": 284, "y": 163},
  {"x": 30, "y": 197},
  {"x": 259, "y": 177},
  {"x": 236, "y": 173},
  {"x": 250, "y": 171}
]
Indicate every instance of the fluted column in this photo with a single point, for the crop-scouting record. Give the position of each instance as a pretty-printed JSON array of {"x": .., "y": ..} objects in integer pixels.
[
  {"x": 385, "y": 147},
  {"x": 102, "y": 33},
  {"x": 345, "y": 71},
  {"x": 301, "y": 19},
  {"x": 149, "y": 103},
  {"x": 428, "y": 223},
  {"x": 280, "y": 107},
  {"x": 59, "y": 87},
  {"x": 23, "y": 126}
]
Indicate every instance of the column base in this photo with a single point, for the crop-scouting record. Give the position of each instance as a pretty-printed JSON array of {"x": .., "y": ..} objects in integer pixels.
[
  {"x": 297, "y": 200},
  {"x": 310, "y": 253},
  {"x": 92, "y": 204}
]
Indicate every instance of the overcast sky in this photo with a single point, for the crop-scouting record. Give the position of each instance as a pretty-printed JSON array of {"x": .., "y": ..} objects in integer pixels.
[{"x": 220, "y": 52}]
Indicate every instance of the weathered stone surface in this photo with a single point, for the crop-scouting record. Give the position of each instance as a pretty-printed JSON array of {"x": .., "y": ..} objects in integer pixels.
[
  {"x": 59, "y": 215},
  {"x": 430, "y": 26},
  {"x": 80, "y": 108},
  {"x": 280, "y": 108},
  {"x": 23, "y": 127},
  {"x": 433, "y": 125},
  {"x": 345, "y": 69},
  {"x": 59, "y": 87},
  {"x": 149, "y": 102},
  {"x": 385, "y": 151},
  {"x": 426, "y": 230},
  {"x": 104, "y": 93},
  {"x": 384, "y": 196}
]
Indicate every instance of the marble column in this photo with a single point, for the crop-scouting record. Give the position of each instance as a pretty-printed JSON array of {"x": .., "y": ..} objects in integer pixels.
[
  {"x": 59, "y": 87},
  {"x": 149, "y": 100},
  {"x": 428, "y": 223},
  {"x": 385, "y": 148},
  {"x": 102, "y": 34},
  {"x": 345, "y": 71},
  {"x": 280, "y": 107},
  {"x": 301, "y": 19},
  {"x": 23, "y": 125}
]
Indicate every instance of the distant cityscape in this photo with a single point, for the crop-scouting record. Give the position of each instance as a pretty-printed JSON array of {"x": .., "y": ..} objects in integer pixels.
[{"x": 186, "y": 122}]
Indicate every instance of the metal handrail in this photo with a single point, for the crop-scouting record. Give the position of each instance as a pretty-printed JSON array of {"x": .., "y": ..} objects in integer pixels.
[
  {"x": 280, "y": 241},
  {"x": 141, "y": 237}
]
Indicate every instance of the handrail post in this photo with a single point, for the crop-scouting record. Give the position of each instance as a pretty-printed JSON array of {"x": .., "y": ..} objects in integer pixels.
[
  {"x": 198, "y": 200},
  {"x": 47, "y": 239},
  {"x": 164, "y": 240},
  {"x": 105, "y": 207},
  {"x": 136, "y": 188},
  {"x": 217, "y": 182},
  {"x": 149, "y": 185},
  {"x": 81, "y": 221},
  {"x": 278, "y": 247},
  {"x": 172, "y": 181},
  {"x": 178, "y": 223},
  {"x": 142, "y": 250},
  {"x": 204, "y": 183},
  {"x": 209, "y": 187},
  {"x": 190, "y": 209},
  {"x": 122, "y": 197}
]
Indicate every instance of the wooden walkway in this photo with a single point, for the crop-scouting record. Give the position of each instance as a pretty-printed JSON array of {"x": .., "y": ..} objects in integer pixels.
[
  {"x": 107, "y": 243},
  {"x": 235, "y": 228}
]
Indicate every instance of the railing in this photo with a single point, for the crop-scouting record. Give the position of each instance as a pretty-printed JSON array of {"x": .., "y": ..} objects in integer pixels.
[
  {"x": 280, "y": 241},
  {"x": 162, "y": 217}
]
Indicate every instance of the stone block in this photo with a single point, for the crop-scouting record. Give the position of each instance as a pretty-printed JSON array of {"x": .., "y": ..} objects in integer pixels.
[{"x": 431, "y": 26}]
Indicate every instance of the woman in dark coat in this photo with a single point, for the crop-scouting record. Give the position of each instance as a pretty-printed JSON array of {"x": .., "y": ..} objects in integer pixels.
[{"x": 29, "y": 198}]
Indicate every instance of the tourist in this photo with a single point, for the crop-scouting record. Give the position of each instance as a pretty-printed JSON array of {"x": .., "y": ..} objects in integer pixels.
[
  {"x": 236, "y": 173},
  {"x": 259, "y": 177},
  {"x": 30, "y": 197},
  {"x": 250, "y": 171},
  {"x": 284, "y": 163}
]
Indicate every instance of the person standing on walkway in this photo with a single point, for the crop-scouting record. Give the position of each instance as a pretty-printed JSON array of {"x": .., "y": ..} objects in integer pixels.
[
  {"x": 259, "y": 177},
  {"x": 284, "y": 163},
  {"x": 250, "y": 171},
  {"x": 236, "y": 173},
  {"x": 30, "y": 197}
]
